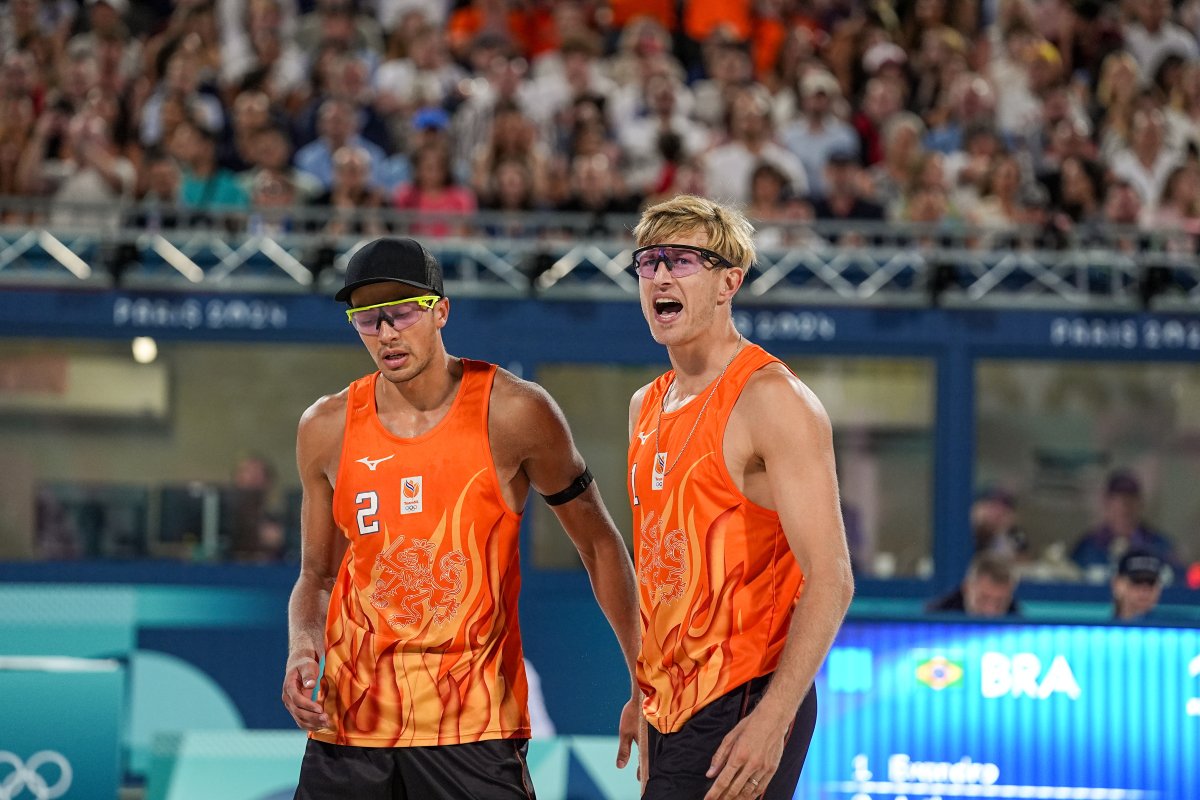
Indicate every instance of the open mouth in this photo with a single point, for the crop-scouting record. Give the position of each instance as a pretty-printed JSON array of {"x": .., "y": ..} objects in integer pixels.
[
  {"x": 666, "y": 309},
  {"x": 394, "y": 359}
]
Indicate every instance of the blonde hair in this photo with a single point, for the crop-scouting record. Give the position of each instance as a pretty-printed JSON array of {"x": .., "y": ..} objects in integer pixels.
[
  {"x": 729, "y": 232},
  {"x": 1106, "y": 85}
]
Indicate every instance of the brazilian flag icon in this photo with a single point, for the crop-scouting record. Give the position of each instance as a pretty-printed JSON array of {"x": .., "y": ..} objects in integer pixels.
[{"x": 940, "y": 673}]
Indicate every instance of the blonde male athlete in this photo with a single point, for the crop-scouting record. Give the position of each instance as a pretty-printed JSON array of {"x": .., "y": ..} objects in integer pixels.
[
  {"x": 743, "y": 571},
  {"x": 414, "y": 480}
]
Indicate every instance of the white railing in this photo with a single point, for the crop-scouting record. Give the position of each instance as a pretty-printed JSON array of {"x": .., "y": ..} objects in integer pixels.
[{"x": 560, "y": 256}]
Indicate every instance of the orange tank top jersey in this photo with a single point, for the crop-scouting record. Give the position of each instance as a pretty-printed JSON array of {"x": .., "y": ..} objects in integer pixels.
[
  {"x": 422, "y": 641},
  {"x": 717, "y": 580}
]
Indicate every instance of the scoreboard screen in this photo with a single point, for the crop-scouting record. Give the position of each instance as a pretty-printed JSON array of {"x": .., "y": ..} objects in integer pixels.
[{"x": 934, "y": 710}]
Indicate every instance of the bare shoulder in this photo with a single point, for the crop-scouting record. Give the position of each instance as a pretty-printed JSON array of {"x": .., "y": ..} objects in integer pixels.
[
  {"x": 776, "y": 399},
  {"x": 519, "y": 398},
  {"x": 326, "y": 411},
  {"x": 521, "y": 412},
  {"x": 319, "y": 436},
  {"x": 635, "y": 402},
  {"x": 635, "y": 406}
]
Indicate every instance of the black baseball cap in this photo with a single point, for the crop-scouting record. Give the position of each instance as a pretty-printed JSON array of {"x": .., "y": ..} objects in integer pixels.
[
  {"x": 389, "y": 259},
  {"x": 1140, "y": 564},
  {"x": 1123, "y": 482}
]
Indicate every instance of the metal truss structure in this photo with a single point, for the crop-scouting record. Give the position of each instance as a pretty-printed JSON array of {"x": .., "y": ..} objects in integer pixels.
[{"x": 564, "y": 257}]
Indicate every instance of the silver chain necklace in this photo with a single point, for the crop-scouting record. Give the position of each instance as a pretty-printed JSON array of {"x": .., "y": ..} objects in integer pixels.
[{"x": 662, "y": 407}]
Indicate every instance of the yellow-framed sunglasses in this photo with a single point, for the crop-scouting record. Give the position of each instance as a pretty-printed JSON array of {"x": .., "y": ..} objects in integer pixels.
[{"x": 367, "y": 319}]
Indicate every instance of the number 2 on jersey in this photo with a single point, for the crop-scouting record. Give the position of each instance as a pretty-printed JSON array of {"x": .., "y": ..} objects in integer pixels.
[{"x": 368, "y": 507}]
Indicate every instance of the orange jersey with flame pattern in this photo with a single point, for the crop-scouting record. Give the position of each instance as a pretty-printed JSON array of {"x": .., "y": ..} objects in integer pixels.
[
  {"x": 422, "y": 641},
  {"x": 717, "y": 580}
]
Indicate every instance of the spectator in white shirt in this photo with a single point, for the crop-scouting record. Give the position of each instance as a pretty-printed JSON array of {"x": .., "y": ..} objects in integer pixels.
[
  {"x": 639, "y": 138},
  {"x": 751, "y": 140},
  {"x": 819, "y": 132},
  {"x": 1147, "y": 162},
  {"x": 1153, "y": 36}
]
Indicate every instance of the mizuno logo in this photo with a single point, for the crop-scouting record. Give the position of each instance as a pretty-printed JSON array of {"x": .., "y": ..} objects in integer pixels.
[
  {"x": 372, "y": 464},
  {"x": 644, "y": 436}
]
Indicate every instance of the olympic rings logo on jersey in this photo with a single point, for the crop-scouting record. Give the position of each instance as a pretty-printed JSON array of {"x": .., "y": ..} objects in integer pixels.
[{"x": 26, "y": 776}]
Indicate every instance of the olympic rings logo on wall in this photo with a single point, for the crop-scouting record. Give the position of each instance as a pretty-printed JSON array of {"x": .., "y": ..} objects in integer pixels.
[{"x": 26, "y": 777}]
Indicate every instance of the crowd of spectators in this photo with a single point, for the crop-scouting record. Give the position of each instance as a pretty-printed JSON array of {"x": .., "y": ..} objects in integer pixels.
[{"x": 1061, "y": 115}]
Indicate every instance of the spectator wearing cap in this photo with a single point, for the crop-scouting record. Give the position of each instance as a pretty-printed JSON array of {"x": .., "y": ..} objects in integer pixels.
[
  {"x": 994, "y": 523},
  {"x": 887, "y": 59},
  {"x": 1137, "y": 585},
  {"x": 430, "y": 126},
  {"x": 819, "y": 130},
  {"x": 987, "y": 590},
  {"x": 1122, "y": 529}
]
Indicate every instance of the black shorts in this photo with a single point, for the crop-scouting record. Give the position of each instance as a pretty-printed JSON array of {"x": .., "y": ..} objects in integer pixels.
[
  {"x": 679, "y": 761},
  {"x": 491, "y": 770}
]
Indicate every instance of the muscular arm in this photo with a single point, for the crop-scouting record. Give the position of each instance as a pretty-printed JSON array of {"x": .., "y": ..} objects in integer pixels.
[
  {"x": 532, "y": 425},
  {"x": 322, "y": 548},
  {"x": 792, "y": 438},
  {"x": 800, "y": 472}
]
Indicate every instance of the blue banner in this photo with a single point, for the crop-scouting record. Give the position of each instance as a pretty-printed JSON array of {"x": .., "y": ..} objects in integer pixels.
[
  {"x": 536, "y": 330},
  {"x": 931, "y": 710}
]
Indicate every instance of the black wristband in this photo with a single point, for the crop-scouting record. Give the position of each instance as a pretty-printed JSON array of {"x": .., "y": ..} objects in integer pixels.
[{"x": 577, "y": 487}]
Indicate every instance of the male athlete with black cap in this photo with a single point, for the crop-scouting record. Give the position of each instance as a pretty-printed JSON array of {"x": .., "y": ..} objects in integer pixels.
[{"x": 414, "y": 480}]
